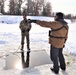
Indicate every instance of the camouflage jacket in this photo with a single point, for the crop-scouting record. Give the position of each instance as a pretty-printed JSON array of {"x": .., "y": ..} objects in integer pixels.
[{"x": 24, "y": 25}]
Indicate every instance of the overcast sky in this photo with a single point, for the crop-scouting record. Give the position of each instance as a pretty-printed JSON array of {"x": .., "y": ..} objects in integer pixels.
[{"x": 65, "y": 6}]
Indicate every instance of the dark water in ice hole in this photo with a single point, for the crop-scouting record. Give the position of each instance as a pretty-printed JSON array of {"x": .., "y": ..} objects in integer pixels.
[{"x": 31, "y": 59}]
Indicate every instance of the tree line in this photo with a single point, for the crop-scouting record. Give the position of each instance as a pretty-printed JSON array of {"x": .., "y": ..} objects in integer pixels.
[{"x": 30, "y": 7}]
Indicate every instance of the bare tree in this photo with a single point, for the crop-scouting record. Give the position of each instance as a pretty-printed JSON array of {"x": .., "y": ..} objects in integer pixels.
[
  {"x": 29, "y": 7},
  {"x": 2, "y": 6},
  {"x": 34, "y": 7},
  {"x": 44, "y": 13},
  {"x": 19, "y": 4},
  {"x": 15, "y": 6},
  {"x": 37, "y": 6},
  {"x": 48, "y": 9},
  {"x": 12, "y": 7}
]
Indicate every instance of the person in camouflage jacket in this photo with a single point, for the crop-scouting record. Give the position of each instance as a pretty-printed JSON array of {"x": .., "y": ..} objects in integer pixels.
[{"x": 25, "y": 27}]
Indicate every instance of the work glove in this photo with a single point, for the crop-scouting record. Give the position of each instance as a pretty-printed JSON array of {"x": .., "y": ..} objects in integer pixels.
[
  {"x": 31, "y": 21},
  {"x": 23, "y": 30},
  {"x": 28, "y": 30}
]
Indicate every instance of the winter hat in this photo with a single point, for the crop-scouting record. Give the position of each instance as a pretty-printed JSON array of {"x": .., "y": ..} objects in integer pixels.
[{"x": 60, "y": 15}]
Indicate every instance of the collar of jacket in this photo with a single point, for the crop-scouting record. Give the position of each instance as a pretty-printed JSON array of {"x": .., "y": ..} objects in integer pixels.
[
  {"x": 25, "y": 22},
  {"x": 62, "y": 21}
]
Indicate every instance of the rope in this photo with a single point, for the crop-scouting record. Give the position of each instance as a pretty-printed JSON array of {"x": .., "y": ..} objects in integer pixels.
[
  {"x": 17, "y": 50},
  {"x": 10, "y": 52},
  {"x": 14, "y": 53},
  {"x": 20, "y": 52}
]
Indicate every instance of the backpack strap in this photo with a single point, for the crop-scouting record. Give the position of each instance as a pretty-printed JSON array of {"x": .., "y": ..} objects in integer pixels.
[
  {"x": 57, "y": 30},
  {"x": 56, "y": 37}
]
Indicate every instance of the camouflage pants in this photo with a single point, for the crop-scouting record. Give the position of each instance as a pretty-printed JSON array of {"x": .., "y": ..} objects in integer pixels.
[{"x": 27, "y": 41}]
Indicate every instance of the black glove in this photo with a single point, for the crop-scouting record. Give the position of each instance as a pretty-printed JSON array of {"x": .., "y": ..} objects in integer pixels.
[
  {"x": 28, "y": 30},
  {"x": 30, "y": 21},
  {"x": 23, "y": 30}
]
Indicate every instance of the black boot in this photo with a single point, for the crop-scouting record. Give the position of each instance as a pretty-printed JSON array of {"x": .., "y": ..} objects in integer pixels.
[
  {"x": 28, "y": 48},
  {"x": 55, "y": 71},
  {"x": 63, "y": 68}
]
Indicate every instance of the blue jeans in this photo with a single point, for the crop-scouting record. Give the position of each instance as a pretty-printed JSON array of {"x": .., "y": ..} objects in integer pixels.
[{"x": 57, "y": 58}]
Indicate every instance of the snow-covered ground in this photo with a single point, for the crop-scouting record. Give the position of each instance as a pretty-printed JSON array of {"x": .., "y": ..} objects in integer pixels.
[{"x": 10, "y": 41}]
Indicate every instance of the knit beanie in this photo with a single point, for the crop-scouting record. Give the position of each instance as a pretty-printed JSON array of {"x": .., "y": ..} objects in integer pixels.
[{"x": 59, "y": 15}]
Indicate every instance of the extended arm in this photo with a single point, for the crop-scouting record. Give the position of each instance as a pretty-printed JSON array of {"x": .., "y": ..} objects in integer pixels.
[{"x": 43, "y": 23}]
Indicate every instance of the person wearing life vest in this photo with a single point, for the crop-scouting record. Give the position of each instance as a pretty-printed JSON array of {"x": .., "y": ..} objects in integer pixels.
[
  {"x": 25, "y": 28},
  {"x": 58, "y": 35}
]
